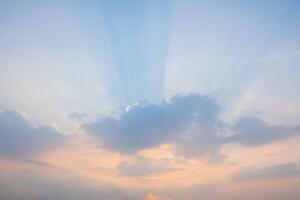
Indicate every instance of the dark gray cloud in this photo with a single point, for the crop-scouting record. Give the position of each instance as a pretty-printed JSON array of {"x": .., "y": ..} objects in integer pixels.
[
  {"x": 252, "y": 131},
  {"x": 18, "y": 137},
  {"x": 279, "y": 171},
  {"x": 148, "y": 125},
  {"x": 143, "y": 167}
]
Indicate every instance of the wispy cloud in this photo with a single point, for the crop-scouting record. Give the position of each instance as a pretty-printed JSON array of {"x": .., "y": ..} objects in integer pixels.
[
  {"x": 279, "y": 171},
  {"x": 253, "y": 131},
  {"x": 143, "y": 167}
]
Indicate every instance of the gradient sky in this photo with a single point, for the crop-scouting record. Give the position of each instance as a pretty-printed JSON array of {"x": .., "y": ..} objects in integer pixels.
[{"x": 149, "y": 100}]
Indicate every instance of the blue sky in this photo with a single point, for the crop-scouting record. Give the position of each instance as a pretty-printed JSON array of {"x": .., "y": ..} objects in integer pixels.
[
  {"x": 185, "y": 77},
  {"x": 142, "y": 51}
]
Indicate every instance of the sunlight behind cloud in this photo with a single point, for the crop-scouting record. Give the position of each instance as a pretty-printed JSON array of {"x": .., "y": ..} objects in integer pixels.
[{"x": 149, "y": 100}]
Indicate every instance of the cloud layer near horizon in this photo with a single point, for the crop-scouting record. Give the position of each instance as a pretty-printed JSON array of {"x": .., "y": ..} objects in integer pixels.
[
  {"x": 192, "y": 123},
  {"x": 59, "y": 186},
  {"x": 279, "y": 171}
]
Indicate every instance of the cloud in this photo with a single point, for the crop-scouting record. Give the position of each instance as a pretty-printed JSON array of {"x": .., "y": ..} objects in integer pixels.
[
  {"x": 148, "y": 125},
  {"x": 252, "y": 131},
  {"x": 35, "y": 186},
  {"x": 77, "y": 116},
  {"x": 275, "y": 190},
  {"x": 152, "y": 196},
  {"x": 143, "y": 167},
  {"x": 201, "y": 140},
  {"x": 18, "y": 137},
  {"x": 279, "y": 171},
  {"x": 191, "y": 122}
]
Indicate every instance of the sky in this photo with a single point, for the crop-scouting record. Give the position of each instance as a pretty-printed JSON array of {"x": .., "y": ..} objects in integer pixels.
[{"x": 149, "y": 100}]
